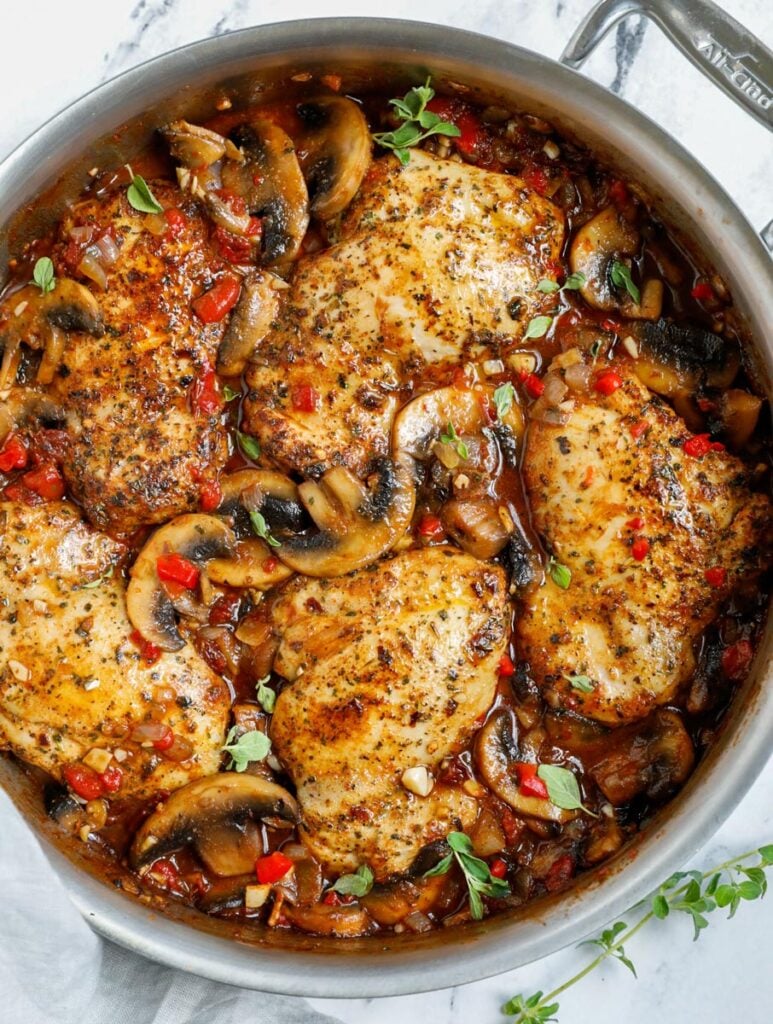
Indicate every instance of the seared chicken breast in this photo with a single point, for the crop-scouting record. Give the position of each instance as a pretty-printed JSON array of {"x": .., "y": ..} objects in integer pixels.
[
  {"x": 138, "y": 447},
  {"x": 389, "y": 669},
  {"x": 435, "y": 261},
  {"x": 71, "y": 680},
  {"x": 637, "y": 520}
]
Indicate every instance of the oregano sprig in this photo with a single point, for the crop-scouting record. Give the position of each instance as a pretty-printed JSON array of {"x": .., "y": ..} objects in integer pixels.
[
  {"x": 694, "y": 893},
  {"x": 418, "y": 123}
]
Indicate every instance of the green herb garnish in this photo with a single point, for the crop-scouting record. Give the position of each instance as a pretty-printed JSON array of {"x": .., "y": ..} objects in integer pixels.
[
  {"x": 249, "y": 445},
  {"x": 476, "y": 873},
  {"x": 266, "y": 696},
  {"x": 692, "y": 893},
  {"x": 538, "y": 327},
  {"x": 229, "y": 394},
  {"x": 358, "y": 884},
  {"x": 504, "y": 396},
  {"x": 260, "y": 526},
  {"x": 98, "y": 583},
  {"x": 451, "y": 437},
  {"x": 620, "y": 275},
  {"x": 572, "y": 284},
  {"x": 418, "y": 123},
  {"x": 250, "y": 746},
  {"x": 563, "y": 788},
  {"x": 581, "y": 683},
  {"x": 43, "y": 275},
  {"x": 560, "y": 574},
  {"x": 595, "y": 349},
  {"x": 140, "y": 197}
]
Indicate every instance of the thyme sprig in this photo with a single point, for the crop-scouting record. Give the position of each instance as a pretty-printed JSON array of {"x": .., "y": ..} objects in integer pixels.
[{"x": 693, "y": 893}]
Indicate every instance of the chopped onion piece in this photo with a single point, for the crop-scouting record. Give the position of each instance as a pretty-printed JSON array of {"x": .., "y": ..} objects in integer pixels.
[
  {"x": 91, "y": 268},
  {"x": 578, "y": 376},
  {"x": 555, "y": 389}
]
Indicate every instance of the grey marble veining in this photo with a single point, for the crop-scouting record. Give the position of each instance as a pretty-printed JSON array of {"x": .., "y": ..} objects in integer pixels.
[{"x": 727, "y": 976}]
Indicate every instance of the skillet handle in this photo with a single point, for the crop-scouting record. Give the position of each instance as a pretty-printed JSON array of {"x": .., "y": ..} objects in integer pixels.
[{"x": 726, "y": 52}]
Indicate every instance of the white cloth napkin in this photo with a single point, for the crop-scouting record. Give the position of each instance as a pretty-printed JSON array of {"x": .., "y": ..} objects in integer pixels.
[{"x": 55, "y": 970}]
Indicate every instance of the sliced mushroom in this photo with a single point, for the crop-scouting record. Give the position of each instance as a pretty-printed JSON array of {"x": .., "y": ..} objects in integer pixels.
[
  {"x": 334, "y": 151},
  {"x": 677, "y": 361},
  {"x": 196, "y": 537},
  {"x": 250, "y": 322},
  {"x": 219, "y": 816},
  {"x": 272, "y": 494},
  {"x": 391, "y": 903},
  {"x": 320, "y": 919},
  {"x": 252, "y": 564},
  {"x": 496, "y": 751},
  {"x": 42, "y": 320},
  {"x": 419, "y": 425},
  {"x": 197, "y": 148},
  {"x": 270, "y": 181},
  {"x": 605, "y": 238},
  {"x": 653, "y": 757},
  {"x": 356, "y": 525}
]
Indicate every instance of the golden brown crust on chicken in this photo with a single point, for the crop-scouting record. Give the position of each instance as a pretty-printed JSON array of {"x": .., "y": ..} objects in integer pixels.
[
  {"x": 430, "y": 257},
  {"x": 70, "y": 678},
  {"x": 596, "y": 487},
  {"x": 389, "y": 669},
  {"x": 137, "y": 451}
]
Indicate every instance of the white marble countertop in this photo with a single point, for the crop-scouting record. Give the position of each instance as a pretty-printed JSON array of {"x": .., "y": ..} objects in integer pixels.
[{"x": 727, "y": 976}]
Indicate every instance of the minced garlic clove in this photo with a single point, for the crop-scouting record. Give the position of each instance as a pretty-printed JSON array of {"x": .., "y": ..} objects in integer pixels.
[{"x": 418, "y": 780}]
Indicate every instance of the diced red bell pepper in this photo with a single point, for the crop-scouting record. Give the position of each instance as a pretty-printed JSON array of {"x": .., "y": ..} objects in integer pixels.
[
  {"x": 561, "y": 871},
  {"x": 210, "y": 495},
  {"x": 176, "y": 569},
  {"x": 83, "y": 781},
  {"x": 112, "y": 778},
  {"x": 45, "y": 481},
  {"x": 537, "y": 179},
  {"x": 534, "y": 386},
  {"x": 703, "y": 292},
  {"x": 165, "y": 739},
  {"x": 639, "y": 428},
  {"x": 611, "y": 325},
  {"x": 506, "y": 666},
  {"x": 736, "y": 659},
  {"x": 234, "y": 248},
  {"x": 716, "y": 576},
  {"x": 225, "y": 610},
  {"x": 431, "y": 527},
  {"x": 607, "y": 382},
  {"x": 511, "y": 826},
  {"x": 697, "y": 446},
  {"x": 636, "y": 523},
  {"x": 498, "y": 868},
  {"x": 13, "y": 454},
  {"x": 205, "y": 397},
  {"x": 269, "y": 564},
  {"x": 468, "y": 123},
  {"x": 529, "y": 783},
  {"x": 304, "y": 398},
  {"x": 176, "y": 221},
  {"x": 221, "y": 298},
  {"x": 618, "y": 192},
  {"x": 148, "y": 651},
  {"x": 640, "y": 548},
  {"x": 272, "y": 868},
  {"x": 235, "y": 202},
  {"x": 332, "y": 899},
  {"x": 168, "y": 873}
]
